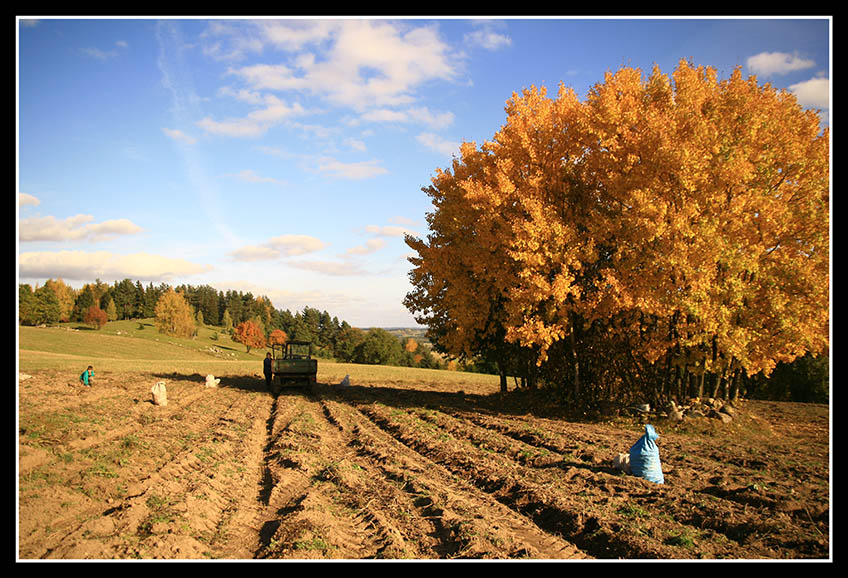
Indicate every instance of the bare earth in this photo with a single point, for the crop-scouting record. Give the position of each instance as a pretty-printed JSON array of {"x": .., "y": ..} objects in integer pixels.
[{"x": 400, "y": 472}]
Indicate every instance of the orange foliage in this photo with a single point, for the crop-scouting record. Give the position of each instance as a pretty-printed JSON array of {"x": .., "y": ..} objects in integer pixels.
[
  {"x": 684, "y": 214},
  {"x": 248, "y": 334},
  {"x": 278, "y": 337},
  {"x": 95, "y": 317}
]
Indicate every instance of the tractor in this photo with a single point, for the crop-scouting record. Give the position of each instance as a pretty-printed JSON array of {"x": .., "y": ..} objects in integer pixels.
[{"x": 293, "y": 365}]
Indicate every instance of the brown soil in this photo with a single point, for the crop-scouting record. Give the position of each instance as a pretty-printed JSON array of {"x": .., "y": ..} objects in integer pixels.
[{"x": 393, "y": 471}]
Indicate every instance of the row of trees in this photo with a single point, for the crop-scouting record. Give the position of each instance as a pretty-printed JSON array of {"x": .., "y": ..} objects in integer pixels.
[
  {"x": 666, "y": 237},
  {"x": 250, "y": 320}
]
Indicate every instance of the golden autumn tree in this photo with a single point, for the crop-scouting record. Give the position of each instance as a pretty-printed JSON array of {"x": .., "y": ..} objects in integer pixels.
[
  {"x": 173, "y": 316},
  {"x": 66, "y": 296},
  {"x": 673, "y": 227}
]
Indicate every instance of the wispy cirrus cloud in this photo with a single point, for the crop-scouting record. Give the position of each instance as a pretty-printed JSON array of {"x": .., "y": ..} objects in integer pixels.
[
  {"x": 251, "y": 176},
  {"x": 103, "y": 55}
]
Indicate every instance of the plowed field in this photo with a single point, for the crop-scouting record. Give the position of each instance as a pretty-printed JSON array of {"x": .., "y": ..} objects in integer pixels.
[{"x": 400, "y": 471}]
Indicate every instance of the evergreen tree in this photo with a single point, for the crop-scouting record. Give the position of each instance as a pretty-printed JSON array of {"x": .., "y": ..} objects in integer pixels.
[
  {"x": 85, "y": 299},
  {"x": 46, "y": 308},
  {"x": 26, "y": 305},
  {"x": 66, "y": 297}
]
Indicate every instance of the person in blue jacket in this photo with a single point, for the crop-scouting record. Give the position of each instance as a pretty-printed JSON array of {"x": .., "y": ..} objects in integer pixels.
[{"x": 87, "y": 376}]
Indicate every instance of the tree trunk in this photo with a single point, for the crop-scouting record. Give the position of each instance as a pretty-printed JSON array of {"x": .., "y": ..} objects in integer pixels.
[
  {"x": 574, "y": 360},
  {"x": 733, "y": 394}
]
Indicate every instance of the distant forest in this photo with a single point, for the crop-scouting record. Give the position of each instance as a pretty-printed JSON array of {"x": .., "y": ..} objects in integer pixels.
[{"x": 56, "y": 302}]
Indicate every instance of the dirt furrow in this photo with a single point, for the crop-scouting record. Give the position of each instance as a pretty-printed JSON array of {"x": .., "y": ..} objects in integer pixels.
[
  {"x": 401, "y": 471},
  {"x": 696, "y": 516},
  {"x": 178, "y": 510},
  {"x": 535, "y": 492},
  {"x": 466, "y": 522},
  {"x": 311, "y": 513}
]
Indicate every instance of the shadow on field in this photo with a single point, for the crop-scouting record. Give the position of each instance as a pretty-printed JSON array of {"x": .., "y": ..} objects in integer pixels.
[
  {"x": 537, "y": 404},
  {"x": 515, "y": 402}
]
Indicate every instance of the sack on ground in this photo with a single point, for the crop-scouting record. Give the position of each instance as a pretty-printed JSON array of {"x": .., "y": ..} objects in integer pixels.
[
  {"x": 645, "y": 457},
  {"x": 160, "y": 394},
  {"x": 211, "y": 381}
]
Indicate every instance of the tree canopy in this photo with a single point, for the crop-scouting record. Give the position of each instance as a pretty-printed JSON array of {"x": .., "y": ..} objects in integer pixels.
[{"x": 664, "y": 229}]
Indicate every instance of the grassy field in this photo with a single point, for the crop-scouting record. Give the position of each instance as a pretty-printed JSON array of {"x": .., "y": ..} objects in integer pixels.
[{"x": 137, "y": 346}]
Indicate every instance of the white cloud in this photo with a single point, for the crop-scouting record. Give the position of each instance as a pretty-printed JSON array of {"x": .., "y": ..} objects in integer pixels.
[
  {"x": 178, "y": 135},
  {"x": 353, "y": 171},
  {"x": 487, "y": 37},
  {"x": 438, "y": 144},
  {"x": 366, "y": 63},
  {"x": 334, "y": 268},
  {"x": 291, "y": 245},
  {"x": 255, "y": 253},
  {"x": 98, "y": 54},
  {"x": 257, "y": 122},
  {"x": 297, "y": 34},
  {"x": 388, "y": 230},
  {"x": 104, "y": 55},
  {"x": 74, "y": 228},
  {"x": 250, "y": 176},
  {"x": 421, "y": 115},
  {"x": 296, "y": 300},
  {"x": 27, "y": 199},
  {"x": 355, "y": 144},
  {"x": 86, "y": 266},
  {"x": 772, "y": 63},
  {"x": 370, "y": 246},
  {"x": 278, "y": 247},
  {"x": 813, "y": 93}
]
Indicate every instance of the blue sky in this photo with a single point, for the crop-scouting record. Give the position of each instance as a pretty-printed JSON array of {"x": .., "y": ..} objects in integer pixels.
[{"x": 286, "y": 157}]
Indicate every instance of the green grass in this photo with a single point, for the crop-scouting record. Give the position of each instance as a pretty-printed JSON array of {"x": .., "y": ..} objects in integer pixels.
[{"x": 137, "y": 346}]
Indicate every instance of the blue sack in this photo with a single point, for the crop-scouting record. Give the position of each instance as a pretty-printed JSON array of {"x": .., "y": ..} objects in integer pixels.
[{"x": 645, "y": 457}]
